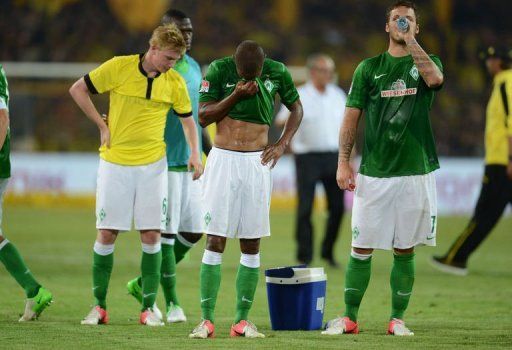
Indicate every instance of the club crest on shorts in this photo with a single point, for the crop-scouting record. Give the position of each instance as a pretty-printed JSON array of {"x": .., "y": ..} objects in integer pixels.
[
  {"x": 355, "y": 233},
  {"x": 102, "y": 214},
  {"x": 207, "y": 219}
]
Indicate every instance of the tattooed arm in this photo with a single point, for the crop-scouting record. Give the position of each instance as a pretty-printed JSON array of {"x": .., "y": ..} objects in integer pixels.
[
  {"x": 428, "y": 70},
  {"x": 348, "y": 131}
]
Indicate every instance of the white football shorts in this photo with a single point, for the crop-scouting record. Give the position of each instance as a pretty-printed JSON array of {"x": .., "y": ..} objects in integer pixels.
[
  {"x": 396, "y": 212},
  {"x": 3, "y": 187},
  {"x": 185, "y": 196},
  {"x": 127, "y": 193},
  {"x": 236, "y": 195}
]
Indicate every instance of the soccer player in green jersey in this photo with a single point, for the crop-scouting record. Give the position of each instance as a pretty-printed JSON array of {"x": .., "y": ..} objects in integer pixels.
[
  {"x": 395, "y": 193},
  {"x": 38, "y": 298},
  {"x": 238, "y": 94},
  {"x": 184, "y": 221}
]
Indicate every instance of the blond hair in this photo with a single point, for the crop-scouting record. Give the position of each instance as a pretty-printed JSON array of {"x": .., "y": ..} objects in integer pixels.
[{"x": 168, "y": 37}]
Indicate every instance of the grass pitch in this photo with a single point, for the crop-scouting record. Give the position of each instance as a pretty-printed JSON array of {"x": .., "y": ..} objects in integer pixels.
[{"x": 445, "y": 311}]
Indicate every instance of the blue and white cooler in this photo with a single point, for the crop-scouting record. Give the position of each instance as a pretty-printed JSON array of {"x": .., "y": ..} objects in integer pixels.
[{"x": 296, "y": 297}]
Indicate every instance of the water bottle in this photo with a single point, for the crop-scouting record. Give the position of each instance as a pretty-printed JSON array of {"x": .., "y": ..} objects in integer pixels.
[{"x": 403, "y": 24}]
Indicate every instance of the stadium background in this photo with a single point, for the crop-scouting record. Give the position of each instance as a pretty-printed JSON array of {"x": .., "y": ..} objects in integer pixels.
[{"x": 41, "y": 41}]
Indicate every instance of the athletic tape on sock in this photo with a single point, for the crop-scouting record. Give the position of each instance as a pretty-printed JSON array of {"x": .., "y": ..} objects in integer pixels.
[
  {"x": 103, "y": 249},
  {"x": 184, "y": 241},
  {"x": 168, "y": 241},
  {"x": 359, "y": 256},
  {"x": 212, "y": 258},
  {"x": 151, "y": 248},
  {"x": 250, "y": 260},
  {"x": 4, "y": 243}
]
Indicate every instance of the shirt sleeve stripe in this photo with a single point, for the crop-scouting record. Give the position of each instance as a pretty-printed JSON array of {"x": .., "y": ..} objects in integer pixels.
[
  {"x": 503, "y": 90},
  {"x": 90, "y": 85},
  {"x": 183, "y": 115}
]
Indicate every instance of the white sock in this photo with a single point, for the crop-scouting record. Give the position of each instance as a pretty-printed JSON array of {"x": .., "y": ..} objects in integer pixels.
[
  {"x": 168, "y": 241},
  {"x": 151, "y": 248},
  {"x": 359, "y": 256},
  {"x": 250, "y": 260},
  {"x": 103, "y": 249},
  {"x": 4, "y": 243},
  {"x": 212, "y": 258}
]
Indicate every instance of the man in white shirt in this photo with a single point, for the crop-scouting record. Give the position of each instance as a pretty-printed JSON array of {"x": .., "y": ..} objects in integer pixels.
[{"x": 315, "y": 147}]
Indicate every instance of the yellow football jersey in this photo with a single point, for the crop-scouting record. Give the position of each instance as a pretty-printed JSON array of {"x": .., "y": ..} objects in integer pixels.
[
  {"x": 498, "y": 126},
  {"x": 138, "y": 108}
]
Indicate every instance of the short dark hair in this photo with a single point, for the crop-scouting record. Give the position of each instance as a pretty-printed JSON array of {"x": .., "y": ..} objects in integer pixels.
[
  {"x": 408, "y": 4},
  {"x": 175, "y": 14},
  {"x": 249, "y": 57}
]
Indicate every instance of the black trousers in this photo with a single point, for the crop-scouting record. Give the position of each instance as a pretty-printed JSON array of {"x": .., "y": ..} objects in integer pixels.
[
  {"x": 311, "y": 168},
  {"x": 495, "y": 194}
]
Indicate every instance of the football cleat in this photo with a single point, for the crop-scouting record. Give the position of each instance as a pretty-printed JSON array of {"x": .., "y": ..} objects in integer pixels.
[
  {"x": 245, "y": 329},
  {"x": 96, "y": 316},
  {"x": 149, "y": 318},
  {"x": 341, "y": 325},
  {"x": 203, "y": 330},
  {"x": 175, "y": 314},
  {"x": 397, "y": 327},
  {"x": 442, "y": 264},
  {"x": 34, "y": 306},
  {"x": 136, "y": 291}
]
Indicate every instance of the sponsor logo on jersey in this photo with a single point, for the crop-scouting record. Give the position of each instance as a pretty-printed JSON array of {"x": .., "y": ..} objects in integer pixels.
[
  {"x": 398, "y": 88},
  {"x": 414, "y": 72},
  {"x": 205, "y": 86}
]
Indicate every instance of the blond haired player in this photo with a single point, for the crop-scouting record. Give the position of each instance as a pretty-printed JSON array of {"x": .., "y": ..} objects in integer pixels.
[{"x": 132, "y": 174}]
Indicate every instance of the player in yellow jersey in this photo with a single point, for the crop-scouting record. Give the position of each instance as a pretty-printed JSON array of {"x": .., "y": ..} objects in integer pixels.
[
  {"x": 496, "y": 192},
  {"x": 132, "y": 174}
]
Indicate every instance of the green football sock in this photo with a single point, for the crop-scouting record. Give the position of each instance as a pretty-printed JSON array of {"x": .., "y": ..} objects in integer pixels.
[
  {"x": 246, "y": 282},
  {"x": 150, "y": 272},
  {"x": 181, "y": 248},
  {"x": 168, "y": 274},
  {"x": 357, "y": 278},
  {"x": 210, "y": 281},
  {"x": 401, "y": 280},
  {"x": 101, "y": 270},
  {"x": 14, "y": 263}
]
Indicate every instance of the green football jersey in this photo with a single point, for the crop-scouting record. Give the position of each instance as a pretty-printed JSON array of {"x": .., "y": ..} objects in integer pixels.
[
  {"x": 398, "y": 138},
  {"x": 5, "y": 163},
  {"x": 222, "y": 77}
]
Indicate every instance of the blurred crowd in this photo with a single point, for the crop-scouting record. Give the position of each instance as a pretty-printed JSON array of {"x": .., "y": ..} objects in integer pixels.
[{"x": 348, "y": 30}]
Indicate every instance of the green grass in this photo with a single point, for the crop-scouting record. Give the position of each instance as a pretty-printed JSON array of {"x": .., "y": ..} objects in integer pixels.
[{"x": 445, "y": 311}]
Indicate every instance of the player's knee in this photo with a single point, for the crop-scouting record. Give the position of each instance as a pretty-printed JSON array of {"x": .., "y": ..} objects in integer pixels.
[
  {"x": 192, "y": 238},
  {"x": 215, "y": 243},
  {"x": 150, "y": 237},
  {"x": 250, "y": 246},
  {"x": 403, "y": 251},
  {"x": 363, "y": 251},
  {"x": 107, "y": 236}
]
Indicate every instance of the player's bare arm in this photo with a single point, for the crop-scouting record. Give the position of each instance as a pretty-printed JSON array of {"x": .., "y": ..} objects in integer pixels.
[
  {"x": 206, "y": 141},
  {"x": 428, "y": 70},
  {"x": 272, "y": 153},
  {"x": 4, "y": 125},
  {"x": 213, "y": 112},
  {"x": 80, "y": 94},
  {"x": 194, "y": 161},
  {"x": 348, "y": 131}
]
